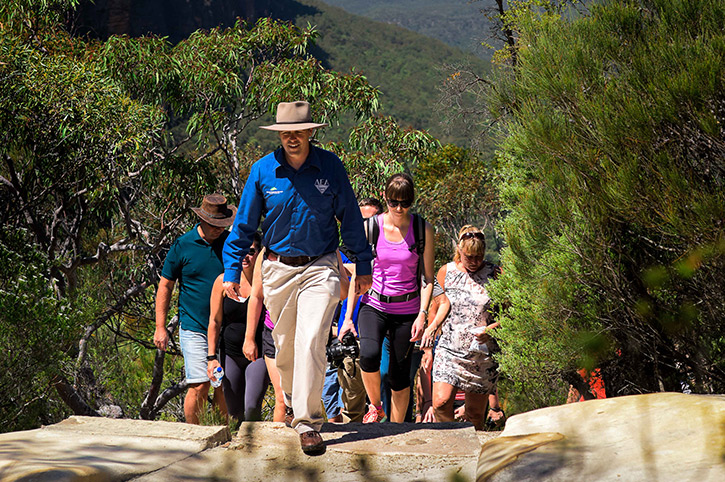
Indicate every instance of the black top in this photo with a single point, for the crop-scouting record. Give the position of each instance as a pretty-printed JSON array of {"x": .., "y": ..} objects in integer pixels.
[{"x": 234, "y": 325}]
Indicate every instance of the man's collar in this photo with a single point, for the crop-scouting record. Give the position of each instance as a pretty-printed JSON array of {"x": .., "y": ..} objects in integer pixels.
[
  {"x": 313, "y": 159},
  {"x": 197, "y": 236}
]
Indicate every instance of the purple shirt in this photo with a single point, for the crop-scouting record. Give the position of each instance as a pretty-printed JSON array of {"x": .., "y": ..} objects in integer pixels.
[
  {"x": 268, "y": 320},
  {"x": 395, "y": 271}
]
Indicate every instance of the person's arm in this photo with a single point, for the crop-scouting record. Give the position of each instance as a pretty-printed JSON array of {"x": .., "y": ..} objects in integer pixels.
[
  {"x": 242, "y": 232},
  {"x": 352, "y": 297},
  {"x": 163, "y": 300},
  {"x": 216, "y": 313},
  {"x": 425, "y": 294},
  {"x": 441, "y": 312},
  {"x": 254, "y": 311},
  {"x": 481, "y": 337},
  {"x": 344, "y": 279}
]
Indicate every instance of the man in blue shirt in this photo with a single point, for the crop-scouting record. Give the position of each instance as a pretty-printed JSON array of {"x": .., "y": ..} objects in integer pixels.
[
  {"x": 302, "y": 191},
  {"x": 195, "y": 261}
]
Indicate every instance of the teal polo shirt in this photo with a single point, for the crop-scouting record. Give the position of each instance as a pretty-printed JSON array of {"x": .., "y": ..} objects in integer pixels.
[{"x": 195, "y": 265}]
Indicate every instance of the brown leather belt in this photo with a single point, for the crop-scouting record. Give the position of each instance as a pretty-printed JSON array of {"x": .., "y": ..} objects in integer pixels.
[{"x": 291, "y": 260}]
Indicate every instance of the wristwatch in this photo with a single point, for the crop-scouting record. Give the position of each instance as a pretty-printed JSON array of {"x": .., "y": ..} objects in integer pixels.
[{"x": 211, "y": 357}]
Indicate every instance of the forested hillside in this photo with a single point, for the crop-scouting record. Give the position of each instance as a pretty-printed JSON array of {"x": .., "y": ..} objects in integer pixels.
[
  {"x": 407, "y": 67},
  {"x": 458, "y": 23}
]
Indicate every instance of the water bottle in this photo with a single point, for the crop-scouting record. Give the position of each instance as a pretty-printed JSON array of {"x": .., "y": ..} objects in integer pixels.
[
  {"x": 475, "y": 345},
  {"x": 218, "y": 375},
  {"x": 479, "y": 347}
]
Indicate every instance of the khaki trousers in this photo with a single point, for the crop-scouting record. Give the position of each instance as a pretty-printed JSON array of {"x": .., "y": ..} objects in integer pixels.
[
  {"x": 301, "y": 302},
  {"x": 353, "y": 391}
]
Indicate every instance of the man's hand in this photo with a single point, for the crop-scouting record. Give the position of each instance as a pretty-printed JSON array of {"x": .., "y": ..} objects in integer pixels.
[
  {"x": 233, "y": 290},
  {"x": 211, "y": 365},
  {"x": 346, "y": 326},
  {"x": 161, "y": 338},
  {"x": 363, "y": 283}
]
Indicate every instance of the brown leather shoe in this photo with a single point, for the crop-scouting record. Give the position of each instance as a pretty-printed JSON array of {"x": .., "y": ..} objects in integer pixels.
[
  {"x": 312, "y": 443},
  {"x": 289, "y": 415}
]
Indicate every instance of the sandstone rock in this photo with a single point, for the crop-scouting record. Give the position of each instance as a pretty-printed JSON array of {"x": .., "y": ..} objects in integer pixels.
[
  {"x": 100, "y": 449},
  {"x": 663, "y": 436}
]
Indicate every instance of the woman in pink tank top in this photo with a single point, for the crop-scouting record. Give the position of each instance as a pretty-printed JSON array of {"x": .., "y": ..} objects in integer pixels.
[{"x": 397, "y": 305}]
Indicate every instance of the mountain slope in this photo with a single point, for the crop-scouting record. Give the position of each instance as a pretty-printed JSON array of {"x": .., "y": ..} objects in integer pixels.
[
  {"x": 458, "y": 23},
  {"x": 409, "y": 68}
]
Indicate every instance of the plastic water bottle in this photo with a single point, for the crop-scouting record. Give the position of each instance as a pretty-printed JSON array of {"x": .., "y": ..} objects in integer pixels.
[
  {"x": 479, "y": 347},
  {"x": 218, "y": 375},
  {"x": 475, "y": 345}
]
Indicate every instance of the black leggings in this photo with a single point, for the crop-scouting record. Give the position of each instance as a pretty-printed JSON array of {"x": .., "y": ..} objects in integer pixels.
[
  {"x": 245, "y": 384},
  {"x": 373, "y": 325}
]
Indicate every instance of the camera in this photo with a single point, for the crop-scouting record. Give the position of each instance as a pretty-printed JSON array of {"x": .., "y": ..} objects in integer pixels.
[{"x": 337, "y": 350}]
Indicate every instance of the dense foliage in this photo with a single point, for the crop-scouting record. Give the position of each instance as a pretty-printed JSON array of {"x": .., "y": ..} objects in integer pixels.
[
  {"x": 611, "y": 169},
  {"x": 104, "y": 147},
  {"x": 36, "y": 332}
]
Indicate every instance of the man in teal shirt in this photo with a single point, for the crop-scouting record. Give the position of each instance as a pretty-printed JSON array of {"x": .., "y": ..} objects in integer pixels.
[{"x": 195, "y": 261}]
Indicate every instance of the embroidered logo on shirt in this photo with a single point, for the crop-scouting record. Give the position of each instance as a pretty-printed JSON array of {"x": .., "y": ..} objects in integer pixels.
[
  {"x": 322, "y": 185},
  {"x": 274, "y": 190}
]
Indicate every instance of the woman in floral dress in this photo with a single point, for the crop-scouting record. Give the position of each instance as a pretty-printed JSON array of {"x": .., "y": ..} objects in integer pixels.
[{"x": 463, "y": 358}]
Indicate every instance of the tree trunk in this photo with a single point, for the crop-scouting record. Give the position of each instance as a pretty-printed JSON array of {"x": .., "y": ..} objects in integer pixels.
[{"x": 72, "y": 398}]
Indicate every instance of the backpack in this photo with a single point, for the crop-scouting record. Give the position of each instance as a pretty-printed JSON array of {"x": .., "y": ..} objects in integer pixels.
[{"x": 372, "y": 231}]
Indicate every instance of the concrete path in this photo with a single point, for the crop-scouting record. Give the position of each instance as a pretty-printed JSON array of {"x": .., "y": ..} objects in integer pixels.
[{"x": 98, "y": 449}]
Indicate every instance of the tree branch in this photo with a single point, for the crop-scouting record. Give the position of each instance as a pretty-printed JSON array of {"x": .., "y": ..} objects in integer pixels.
[
  {"x": 72, "y": 398},
  {"x": 152, "y": 403},
  {"x": 116, "y": 308}
]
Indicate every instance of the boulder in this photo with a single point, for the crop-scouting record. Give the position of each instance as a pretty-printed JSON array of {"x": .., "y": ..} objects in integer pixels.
[
  {"x": 101, "y": 449},
  {"x": 660, "y": 436}
]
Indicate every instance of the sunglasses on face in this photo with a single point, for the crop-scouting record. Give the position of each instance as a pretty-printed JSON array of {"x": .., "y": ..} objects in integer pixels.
[
  {"x": 471, "y": 235},
  {"x": 252, "y": 251},
  {"x": 403, "y": 204}
]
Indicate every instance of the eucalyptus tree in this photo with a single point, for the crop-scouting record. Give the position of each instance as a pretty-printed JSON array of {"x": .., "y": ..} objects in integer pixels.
[{"x": 105, "y": 146}]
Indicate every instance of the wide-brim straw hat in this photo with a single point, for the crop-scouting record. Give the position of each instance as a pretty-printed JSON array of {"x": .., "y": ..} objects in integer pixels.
[
  {"x": 215, "y": 211},
  {"x": 293, "y": 116}
]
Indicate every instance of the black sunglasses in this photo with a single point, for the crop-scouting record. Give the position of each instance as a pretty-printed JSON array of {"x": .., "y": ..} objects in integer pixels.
[
  {"x": 403, "y": 204},
  {"x": 252, "y": 251},
  {"x": 471, "y": 235}
]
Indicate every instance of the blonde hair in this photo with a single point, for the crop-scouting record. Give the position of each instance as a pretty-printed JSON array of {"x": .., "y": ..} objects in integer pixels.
[{"x": 474, "y": 246}]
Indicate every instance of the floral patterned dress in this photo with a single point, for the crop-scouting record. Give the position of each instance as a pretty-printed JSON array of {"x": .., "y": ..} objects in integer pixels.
[{"x": 455, "y": 362}]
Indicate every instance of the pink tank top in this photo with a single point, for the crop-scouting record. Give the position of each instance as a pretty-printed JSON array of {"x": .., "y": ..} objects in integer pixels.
[
  {"x": 268, "y": 319},
  {"x": 395, "y": 270}
]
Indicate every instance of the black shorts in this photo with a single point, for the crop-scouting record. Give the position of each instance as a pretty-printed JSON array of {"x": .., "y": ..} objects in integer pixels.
[{"x": 267, "y": 342}]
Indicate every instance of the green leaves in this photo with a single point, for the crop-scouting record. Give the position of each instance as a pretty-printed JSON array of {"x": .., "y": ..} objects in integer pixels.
[{"x": 612, "y": 176}]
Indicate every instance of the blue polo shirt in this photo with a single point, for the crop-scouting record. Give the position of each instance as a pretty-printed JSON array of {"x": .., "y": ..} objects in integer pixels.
[
  {"x": 195, "y": 264},
  {"x": 300, "y": 208}
]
